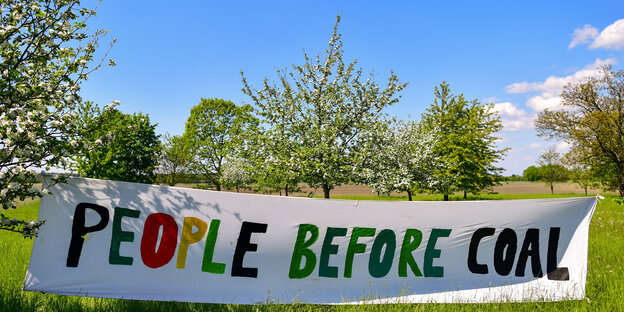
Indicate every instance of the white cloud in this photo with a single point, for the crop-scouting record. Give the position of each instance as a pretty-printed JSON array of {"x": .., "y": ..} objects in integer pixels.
[
  {"x": 541, "y": 102},
  {"x": 512, "y": 118},
  {"x": 583, "y": 35},
  {"x": 508, "y": 109},
  {"x": 522, "y": 87},
  {"x": 563, "y": 147},
  {"x": 553, "y": 85},
  {"x": 612, "y": 37}
]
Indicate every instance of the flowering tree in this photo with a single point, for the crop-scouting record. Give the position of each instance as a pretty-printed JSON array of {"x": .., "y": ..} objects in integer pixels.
[
  {"x": 402, "y": 159},
  {"x": 118, "y": 146},
  {"x": 327, "y": 108},
  {"x": 46, "y": 51},
  {"x": 235, "y": 173},
  {"x": 276, "y": 165}
]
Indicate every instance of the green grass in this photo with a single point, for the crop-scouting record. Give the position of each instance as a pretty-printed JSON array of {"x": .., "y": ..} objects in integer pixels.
[{"x": 605, "y": 282}]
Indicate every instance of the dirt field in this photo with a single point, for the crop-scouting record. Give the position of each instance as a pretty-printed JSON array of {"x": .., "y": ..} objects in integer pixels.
[
  {"x": 505, "y": 188},
  {"x": 540, "y": 188}
]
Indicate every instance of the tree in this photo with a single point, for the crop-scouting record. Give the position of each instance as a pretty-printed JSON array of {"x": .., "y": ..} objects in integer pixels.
[
  {"x": 276, "y": 169},
  {"x": 46, "y": 51},
  {"x": 275, "y": 163},
  {"x": 327, "y": 107},
  {"x": 219, "y": 130},
  {"x": 591, "y": 119},
  {"x": 579, "y": 172},
  {"x": 582, "y": 176},
  {"x": 402, "y": 161},
  {"x": 551, "y": 170},
  {"x": 532, "y": 173},
  {"x": 175, "y": 157},
  {"x": 235, "y": 174},
  {"x": 119, "y": 146},
  {"x": 465, "y": 150}
]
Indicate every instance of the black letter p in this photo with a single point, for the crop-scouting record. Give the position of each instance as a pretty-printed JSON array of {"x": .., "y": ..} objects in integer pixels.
[{"x": 79, "y": 230}]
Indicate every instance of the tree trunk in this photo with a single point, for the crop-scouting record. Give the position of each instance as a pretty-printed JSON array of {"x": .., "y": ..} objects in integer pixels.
[
  {"x": 286, "y": 190},
  {"x": 552, "y": 188},
  {"x": 446, "y": 197},
  {"x": 465, "y": 195},
  {"x": 326, "y": 190},
  {"x": 409, "y": 195},
  {"x": 237, "y": 189},
  {"x": 218, "y": 187},
  {"x": 585, "y": 190}
]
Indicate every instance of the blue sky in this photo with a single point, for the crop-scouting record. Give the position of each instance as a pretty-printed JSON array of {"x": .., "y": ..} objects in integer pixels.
[{"x": 517, "y": 55}]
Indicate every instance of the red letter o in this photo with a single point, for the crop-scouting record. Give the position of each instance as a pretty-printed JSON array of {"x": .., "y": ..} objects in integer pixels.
[{"x": 152, "y": 257}]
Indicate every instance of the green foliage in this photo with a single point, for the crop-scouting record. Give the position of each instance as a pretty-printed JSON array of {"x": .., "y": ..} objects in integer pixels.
[
  {"x": 582, "y": 176},
  {"x": 532, "y": 173},
  {"x": 320, "y": 113},
  {"x": 591, "y": 119},
  {"x": 218, "y": 130},
  {"x": 275, "y": 163},
  {"x": 46, "y": 51},
  {"x": 118, "y": 146},
  {"x": 465, "y": 150},
  {"x": 174, "y": 159},
  {"x": 551, "y": 170}
]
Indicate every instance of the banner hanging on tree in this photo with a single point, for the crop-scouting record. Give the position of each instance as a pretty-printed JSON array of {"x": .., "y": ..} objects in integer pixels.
[{"x": 137, "y": 241}]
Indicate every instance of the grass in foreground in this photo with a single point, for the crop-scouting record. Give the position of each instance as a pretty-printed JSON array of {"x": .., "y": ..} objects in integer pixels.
[{"x": 605, "y": 282}]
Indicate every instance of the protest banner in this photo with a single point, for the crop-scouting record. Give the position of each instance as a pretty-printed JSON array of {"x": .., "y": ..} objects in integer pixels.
[{"x": 137, "y": 241}]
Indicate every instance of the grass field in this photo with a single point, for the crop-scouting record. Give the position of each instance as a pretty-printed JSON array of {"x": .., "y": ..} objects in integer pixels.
[{"x": 605, "y": 281}]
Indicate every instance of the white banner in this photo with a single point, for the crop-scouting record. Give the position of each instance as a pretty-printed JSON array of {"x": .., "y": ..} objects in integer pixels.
[{"x": 136, "y": 241}]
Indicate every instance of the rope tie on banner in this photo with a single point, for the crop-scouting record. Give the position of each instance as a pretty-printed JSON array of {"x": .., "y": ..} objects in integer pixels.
[{"x": 599, "y": 197}]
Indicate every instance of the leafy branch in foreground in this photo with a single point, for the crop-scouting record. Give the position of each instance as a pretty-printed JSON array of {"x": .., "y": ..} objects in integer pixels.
[{"x": 28, "y": 229}]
